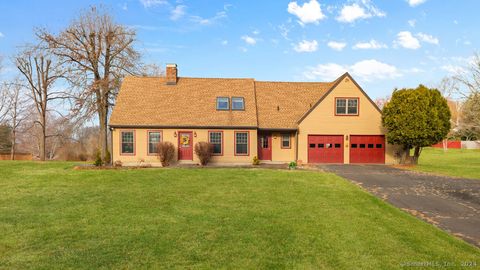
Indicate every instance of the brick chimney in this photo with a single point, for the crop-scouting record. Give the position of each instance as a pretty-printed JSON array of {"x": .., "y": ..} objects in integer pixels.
[{"x": 171, "y": 74}]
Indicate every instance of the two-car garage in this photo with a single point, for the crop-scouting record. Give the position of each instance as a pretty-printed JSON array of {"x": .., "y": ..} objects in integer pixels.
[{"x": 362, "y": 148}]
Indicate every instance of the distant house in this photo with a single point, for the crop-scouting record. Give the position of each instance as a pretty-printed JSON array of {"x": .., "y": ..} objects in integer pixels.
[{"x": 309, "y": 122}]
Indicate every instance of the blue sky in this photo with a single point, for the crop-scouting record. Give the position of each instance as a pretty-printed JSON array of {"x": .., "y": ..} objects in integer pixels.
[{"x": 383, "y": 44}]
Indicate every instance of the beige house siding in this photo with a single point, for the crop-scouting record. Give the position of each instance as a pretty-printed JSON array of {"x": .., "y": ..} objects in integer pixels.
[
  {"x": 141, "y": 144},
  {"x": 323, "y": 121},
  {"x": 280, "y": 154}
]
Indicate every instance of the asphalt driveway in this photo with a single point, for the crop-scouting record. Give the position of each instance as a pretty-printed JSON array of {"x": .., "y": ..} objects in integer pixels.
[{"x": 451, "y": 204}]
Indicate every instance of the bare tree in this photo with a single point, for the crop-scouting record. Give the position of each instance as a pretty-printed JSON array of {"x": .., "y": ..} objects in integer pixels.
[
  {"x": 17, "y": 113},
  {"x": 41, "y": 71},
  {"x": 470, "y": 78},
  {"x": 98, "y": 52},
  {"x": 4, "y": 102}
]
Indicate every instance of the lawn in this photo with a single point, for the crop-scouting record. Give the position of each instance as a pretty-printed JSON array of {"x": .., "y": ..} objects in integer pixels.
[
  {"x": 453, "y": 162},
  {"x": 54, "y": 217}
]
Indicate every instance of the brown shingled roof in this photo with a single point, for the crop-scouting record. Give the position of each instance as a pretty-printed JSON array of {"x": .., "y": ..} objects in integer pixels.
[
  {"x": 148, "y": 101},
  {"x": 281, "y": 104}
]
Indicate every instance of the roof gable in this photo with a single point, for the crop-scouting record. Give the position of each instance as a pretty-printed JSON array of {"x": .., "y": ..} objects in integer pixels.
[{"x": 332, "y": 87}]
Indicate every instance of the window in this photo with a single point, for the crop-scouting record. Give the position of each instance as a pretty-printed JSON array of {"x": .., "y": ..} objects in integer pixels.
[
  {"x": 362, "y": 145},
  {"x": 337, "y": 145},
  {"x": 238, "y": 104},
  {"x": 354, "y": 145},
  {"x": 264, "y": 142},
  {"x": 346, "y": 106},
  {"x": 127, "y": 142},
  {"x": 379, "y": 145},
  {"x": 241, "y": 143},
  {"x": 312, "y": 145},
  {"x": 285, "y": 140},
  {"x": 216, "y": 139},
  {"x": 320, "y": 145},
  {"x": 370, "y": 145},
  {"x": 352, "y": 107},
  {"x": 223, "y": 103},
  {"x": 154, "y": 137}
]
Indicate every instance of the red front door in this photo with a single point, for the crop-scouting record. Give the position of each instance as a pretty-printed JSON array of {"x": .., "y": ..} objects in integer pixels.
[
  {"x": 367, "y": 149},
  {"x": 185, "y": 145},
  {"x": 325, "y": 148},
  {"x": 265, "y": 146}
]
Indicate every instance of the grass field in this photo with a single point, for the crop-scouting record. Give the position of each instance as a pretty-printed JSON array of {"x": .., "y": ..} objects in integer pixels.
[
  {"x": 53, "y": 217},
  {"x": 453, "y": 162}
]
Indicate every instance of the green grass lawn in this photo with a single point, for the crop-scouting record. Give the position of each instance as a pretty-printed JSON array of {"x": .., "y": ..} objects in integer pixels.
[
  {"x": 453, "y": 162},
  {"x": 53, "y": 217}
]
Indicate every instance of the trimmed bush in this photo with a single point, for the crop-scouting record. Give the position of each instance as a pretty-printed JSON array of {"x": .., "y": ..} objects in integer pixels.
[
  {"x": 256, "y": 161},
  {"x": 204, "y": 151},
  {"x": 108, "y": 158},
  {"x": 98, "y": 159},
  {"x": 166, "y": 153}
]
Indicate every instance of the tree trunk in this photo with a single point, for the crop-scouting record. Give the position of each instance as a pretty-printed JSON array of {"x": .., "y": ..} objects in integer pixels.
[
  {"x": 102, "y": 116},
  {"x": 12, "y": 150},
  {"x": 445, "y": 145},
  {"x": 43, "y": 140},
  {"x": 416, "y": 155}
]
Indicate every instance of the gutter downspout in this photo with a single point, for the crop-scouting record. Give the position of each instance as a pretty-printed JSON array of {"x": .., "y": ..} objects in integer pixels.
[{"x": 296, "y": 146}]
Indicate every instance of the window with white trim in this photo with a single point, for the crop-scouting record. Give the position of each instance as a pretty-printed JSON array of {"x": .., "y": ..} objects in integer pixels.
[
  {"x": 346, "y": 106},
  {"x": 285, "y": 140},
  {"x": 215, "y": 138},
  {"x": 241, "y": 143},
  {"x": 154, "y": 137},
  {"x": 238, "y": 104},
  {"x": 127, "y": 142},
  {"x": 223, "y": 103}
]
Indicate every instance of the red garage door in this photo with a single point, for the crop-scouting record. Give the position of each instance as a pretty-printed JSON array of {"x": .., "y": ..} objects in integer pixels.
[
  {"x": 325, "y": 148},
  {"x": 367, "y": 149}
]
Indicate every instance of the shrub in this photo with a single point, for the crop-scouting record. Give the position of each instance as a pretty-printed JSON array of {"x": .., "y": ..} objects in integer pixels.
[
  {"x": 256, "y": 161},
  {"x": 108, "y": 157},
  {"x": 166, "y": 153},
  {"x": 204, "y": 151},
  {"x": 98, "y": 159},
  {"x": 292, "y": 165},
  {"x": 118, "y": 163}
]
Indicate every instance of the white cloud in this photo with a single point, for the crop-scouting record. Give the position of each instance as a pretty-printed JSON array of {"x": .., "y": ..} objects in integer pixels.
[
  {"x": 209, "y": 21},
  {"x": 412, "y": 22},
  {"x": 327, "y": 72},
  {"x": 124, "y": 7},
  {"x": 178, "y": 12},
  {"x": 335, "y": 45},
  {"x": 152, "y": 3},
  {"x": 366, "y": 70},
  {"x": 414, "y": 3},
  {"x": 372, "y": 44},
  {"x": 407, "y": 40},
  {"x": 1, "y": 35},
  {"x": 453, "y": 70},
  {"x": 224, "y": 42},
  {"x": 310, "y": 12},
  {"x": 428, "y": 38},
  {"x": 249, "y": 40},
  {"x": 361, "y": 9},
  {"x": 306, "y": 46}
]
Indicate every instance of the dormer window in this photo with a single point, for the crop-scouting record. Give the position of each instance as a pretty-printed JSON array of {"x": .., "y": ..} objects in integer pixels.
[
  {"x": 346, "y": 106},
  {"x": 238, "y": 104},
  {"x": 223, "y": 103}
]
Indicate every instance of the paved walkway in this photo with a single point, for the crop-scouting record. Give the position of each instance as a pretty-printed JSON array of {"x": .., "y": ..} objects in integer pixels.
[{"x": 452, "y": 204}]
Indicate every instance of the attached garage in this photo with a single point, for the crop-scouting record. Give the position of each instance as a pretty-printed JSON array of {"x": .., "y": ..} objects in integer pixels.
[
  {"x": 325, "y": 148},
  {"x": 367, "y": 149}
]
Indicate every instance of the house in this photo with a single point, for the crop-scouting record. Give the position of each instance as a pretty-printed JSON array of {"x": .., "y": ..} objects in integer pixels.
[{"x": 308, "y": 122}]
